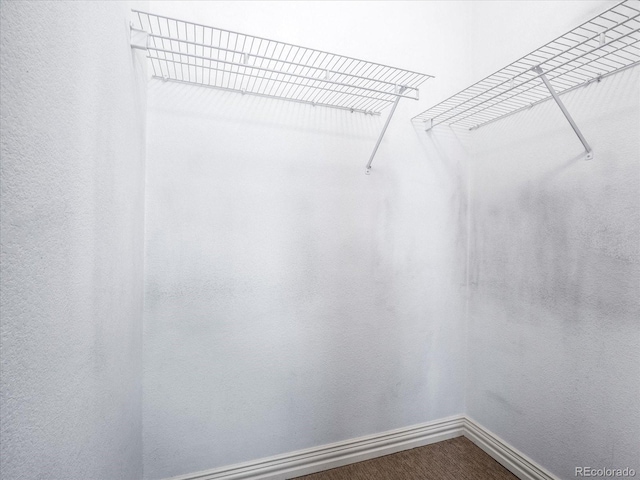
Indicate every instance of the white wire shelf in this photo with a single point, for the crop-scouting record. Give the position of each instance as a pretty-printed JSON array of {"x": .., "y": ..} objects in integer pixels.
[
  {"x": 208, "y": 56},
  {"x": 602, "y": 46}
]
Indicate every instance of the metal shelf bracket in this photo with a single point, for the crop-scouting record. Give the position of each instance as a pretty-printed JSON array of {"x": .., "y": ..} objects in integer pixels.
[
  {"x": 566, "y": 113},
  {"x": 399, "y": 91},
  {"x": 428, "y": 124},
  {"x": 138, "y": 38}
]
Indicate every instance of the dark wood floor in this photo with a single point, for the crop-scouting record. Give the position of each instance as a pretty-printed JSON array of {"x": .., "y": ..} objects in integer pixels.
[{"x": 455, "y": 459}]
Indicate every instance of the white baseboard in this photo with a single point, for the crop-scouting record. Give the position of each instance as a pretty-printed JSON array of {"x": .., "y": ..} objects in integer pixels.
[
  {"x": 317, "y": 459},
  {"x": 516, "y": 462},
  {"x": 304, "y": 462}
]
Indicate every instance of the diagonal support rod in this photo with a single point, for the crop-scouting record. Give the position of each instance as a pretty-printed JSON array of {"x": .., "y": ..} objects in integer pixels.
[
  {"x": 384, "y": 129},
  {"x": 556, "y": 97}
]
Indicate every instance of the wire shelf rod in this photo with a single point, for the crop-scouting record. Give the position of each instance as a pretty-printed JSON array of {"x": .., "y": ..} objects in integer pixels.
[
  {"x": 517, "y": 86},
  {"x": 288, "y": 82},
  {"x": 546, "y": 99},
  {"x": 319, "y": 68},
  {"x": 599, "y": 47},
  {"x": 506, "y": 99},
  {"x": 140, "y": 12},
  {"x": 206, "y": 55},
  {"x": 512, "y": 96},
  {"x": 273, "y": 71},
  {"x": 603, "y": 44},
  {"x": 192, "y": 53},
  {"x": 365, "y": 112},
  {"x": 547, "y": 71}
]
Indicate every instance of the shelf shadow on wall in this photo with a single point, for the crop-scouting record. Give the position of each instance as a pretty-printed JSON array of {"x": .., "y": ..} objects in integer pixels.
[{"x": 215, "y": 104}]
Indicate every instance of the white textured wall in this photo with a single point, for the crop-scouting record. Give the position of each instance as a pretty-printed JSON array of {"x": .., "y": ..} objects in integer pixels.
[
  {"x": 72, "y": 129},
  {"x": 291, "y": 300},
  {"x": 554, "y": 364}
]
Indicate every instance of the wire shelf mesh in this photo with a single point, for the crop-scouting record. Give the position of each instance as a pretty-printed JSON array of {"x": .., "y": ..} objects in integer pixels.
[
  {"x": 198, "y": 54},
  {"x": 602, "y": 46}
]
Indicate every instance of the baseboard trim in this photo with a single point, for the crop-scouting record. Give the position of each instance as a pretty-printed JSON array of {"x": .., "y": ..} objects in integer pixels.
[
  {"x": 317, "y": 459},
  {"x": 516, "y": 462},
  {"x": 312, "y": 460}
]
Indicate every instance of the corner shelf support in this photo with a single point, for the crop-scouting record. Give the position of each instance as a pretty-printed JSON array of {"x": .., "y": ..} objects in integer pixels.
[
  {"x": 400, "y": 90},
  {"x": 566, "y": 113},
  {"x": 429, "y": 124},
  {"x": 138, "y": 38},
  {"x": 602, "y": 46}
]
